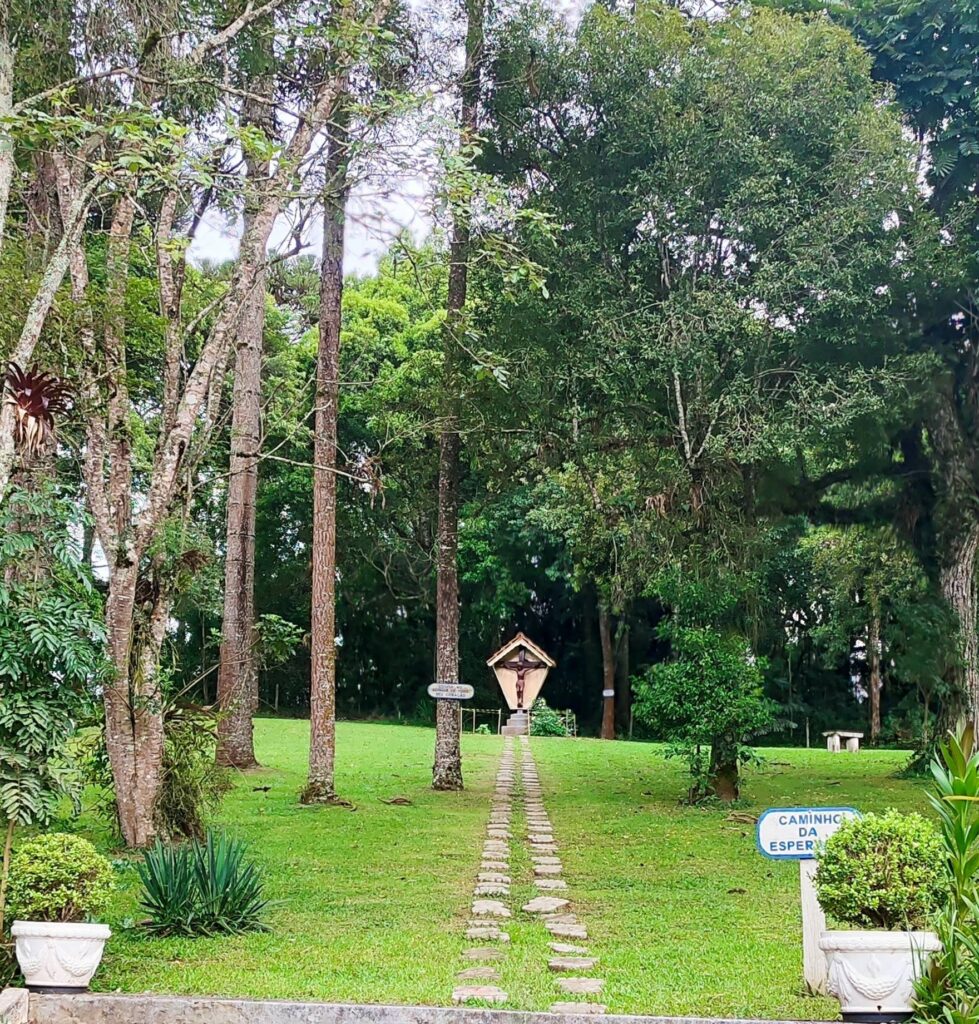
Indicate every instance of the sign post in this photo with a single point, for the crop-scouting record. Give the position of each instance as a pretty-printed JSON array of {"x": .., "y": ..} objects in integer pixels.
[{"x": 795, "y": 833}]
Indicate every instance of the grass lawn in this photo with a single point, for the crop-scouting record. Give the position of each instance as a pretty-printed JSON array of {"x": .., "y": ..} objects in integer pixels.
[{"x": 684, "y": 913}]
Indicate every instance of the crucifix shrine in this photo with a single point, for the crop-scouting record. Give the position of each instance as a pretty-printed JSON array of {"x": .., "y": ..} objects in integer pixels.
[{"x": 521, "y": 668}]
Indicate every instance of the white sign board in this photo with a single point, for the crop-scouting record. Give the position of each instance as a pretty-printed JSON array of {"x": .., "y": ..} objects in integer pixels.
[
  {"x": 795, "y": 833},
  {"x": 450, "y": 691}
]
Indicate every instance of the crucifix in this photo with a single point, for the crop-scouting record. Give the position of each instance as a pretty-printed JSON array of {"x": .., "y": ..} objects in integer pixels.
[{"x": 522, "y": 665}]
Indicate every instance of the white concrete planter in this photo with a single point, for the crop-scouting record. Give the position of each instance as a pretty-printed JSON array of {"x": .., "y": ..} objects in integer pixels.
[
  {"x": 872, "y": 972},
  {"x": 58, "y": 957}
]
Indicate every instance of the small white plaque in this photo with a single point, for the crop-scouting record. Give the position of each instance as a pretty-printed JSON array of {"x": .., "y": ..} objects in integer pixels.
[{"x": 451, "y": 691}]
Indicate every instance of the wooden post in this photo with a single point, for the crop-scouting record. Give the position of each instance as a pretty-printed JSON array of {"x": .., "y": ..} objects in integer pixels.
[
  {"x": 813, "y": 925},
  {"x": 499, "y": 721}
]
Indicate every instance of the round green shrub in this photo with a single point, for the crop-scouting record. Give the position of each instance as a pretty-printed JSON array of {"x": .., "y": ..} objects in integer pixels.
[
  {"x": 882, "y": 871},
  {"x": 545, "y": 721},
  {"x": 59, "y": 877}
]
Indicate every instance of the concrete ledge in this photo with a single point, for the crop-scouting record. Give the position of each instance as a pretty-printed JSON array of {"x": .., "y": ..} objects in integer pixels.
[
  {"x": 14, "y": 1006},
  {"x": 111, "y": 1009}
]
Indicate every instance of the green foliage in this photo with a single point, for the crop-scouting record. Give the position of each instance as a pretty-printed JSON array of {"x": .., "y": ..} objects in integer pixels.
[
  {"x": 545, "y": 721},
  {"x": 882, "y": 871},
  {"x": 709, "y": 693},
  {"x": 202, "y": 888},
  {"x": 192, "y": 784},
  {"x": 59, "y": 877},
  {"x": 949, "y": 992},
  {"x": 51, "y": 654}
]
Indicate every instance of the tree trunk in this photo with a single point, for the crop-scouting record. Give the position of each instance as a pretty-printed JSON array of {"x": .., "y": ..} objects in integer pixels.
[
  {"x": 238, "y": 670},
  {"x": 623, "y": 696},
  {"x": 322, "y": 693},
  {"x": 134, "y": 727},
  {"x": 447, "y": 769},
  {"x": 958, "y": 582},
  {"x": 608, "y": 672},
  {"x": 725, "y": 781},
  {"x": 957, "y": 542},
  {"x": 876, "y": 679},
  {"x": 6, "y": 107}
]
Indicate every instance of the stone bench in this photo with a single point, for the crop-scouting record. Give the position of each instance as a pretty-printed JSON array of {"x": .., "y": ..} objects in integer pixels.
[{"x": 835, "y": 738}]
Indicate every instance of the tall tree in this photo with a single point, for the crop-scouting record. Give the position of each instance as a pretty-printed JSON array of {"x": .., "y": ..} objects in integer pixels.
[
  {"x": 132, "y": 527},
  {"x": 237, "y": 689},
  {"x": 447, "y": 769},
  {"x": 322, "y": 703}
]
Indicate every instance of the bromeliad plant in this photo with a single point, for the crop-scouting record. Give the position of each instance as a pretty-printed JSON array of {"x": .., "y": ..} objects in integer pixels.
[
  {"x": 37, "y": 398},
  {"x": 202, "y": 888}
]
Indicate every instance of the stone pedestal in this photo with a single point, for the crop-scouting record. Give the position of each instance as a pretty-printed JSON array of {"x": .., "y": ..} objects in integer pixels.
[{"x": 518, "y": 724}]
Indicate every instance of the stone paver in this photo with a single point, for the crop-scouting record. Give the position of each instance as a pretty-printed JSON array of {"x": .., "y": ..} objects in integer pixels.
[
  {"x": 550, "y": 883},
  {"x": 485, "y": 953},
  {"x": 482, "y": 993},
  {"x": 488, "y": 933},
  {"x": 479, "y": 974},
  {"x": 545, "y": 858},
  {"x": 581, "y": 986},
  {"x": 545, "y": 905},
  {"x": 490, "y": 908},
  {"x": 572, "y": 963},
  {"x": 491, "y": 889},
  {"x": 589, "y": 1008},
  {"x": 547, "y": 869},
  {"x": 493, "y": 876},
  {"x": 494, "y": 865},
  {"x": 567, "y": 931},
  {"x": 567, "y": 949}
]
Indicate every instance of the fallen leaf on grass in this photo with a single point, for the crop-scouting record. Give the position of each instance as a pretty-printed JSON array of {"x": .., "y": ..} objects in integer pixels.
[{"x": 400, "y": 801}]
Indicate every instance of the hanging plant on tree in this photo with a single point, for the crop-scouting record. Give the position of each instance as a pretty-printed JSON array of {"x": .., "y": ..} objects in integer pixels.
[{"x": 37, "y": 398}]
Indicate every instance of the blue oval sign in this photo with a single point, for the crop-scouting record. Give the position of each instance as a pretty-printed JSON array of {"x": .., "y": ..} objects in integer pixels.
[{"x": 795, "y": 833}]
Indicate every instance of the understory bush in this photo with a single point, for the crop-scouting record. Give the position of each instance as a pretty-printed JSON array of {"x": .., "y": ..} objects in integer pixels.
[
  {"x": 707, "y": 701},
  {"x": 202, "y": 888},
  {"x": 59, "y": 877},
  {"x": 948, "y": 993},
  {"x": 545, "y": 721},
  {"x": 882, "y": 871}
]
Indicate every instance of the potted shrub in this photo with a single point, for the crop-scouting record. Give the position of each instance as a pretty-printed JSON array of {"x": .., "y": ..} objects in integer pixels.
[
  {"x": 882, "y": 876},
  {"x": 58, "y": 882}
]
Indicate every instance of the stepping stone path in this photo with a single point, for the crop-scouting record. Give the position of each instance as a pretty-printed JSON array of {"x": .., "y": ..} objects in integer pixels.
[
  {"x": 493, "y": 880},
  {"x": 554, "y": 911},
  {"x": 479, "y": 978}
]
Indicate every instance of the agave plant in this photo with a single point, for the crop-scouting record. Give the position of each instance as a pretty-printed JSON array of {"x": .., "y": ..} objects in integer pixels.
[
  {"x": 37, "y": 398},
  {"x": 202, "y": 888}
]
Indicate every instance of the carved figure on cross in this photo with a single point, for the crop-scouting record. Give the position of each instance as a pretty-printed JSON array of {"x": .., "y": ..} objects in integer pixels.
[{"x": 522, "y": 665}]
